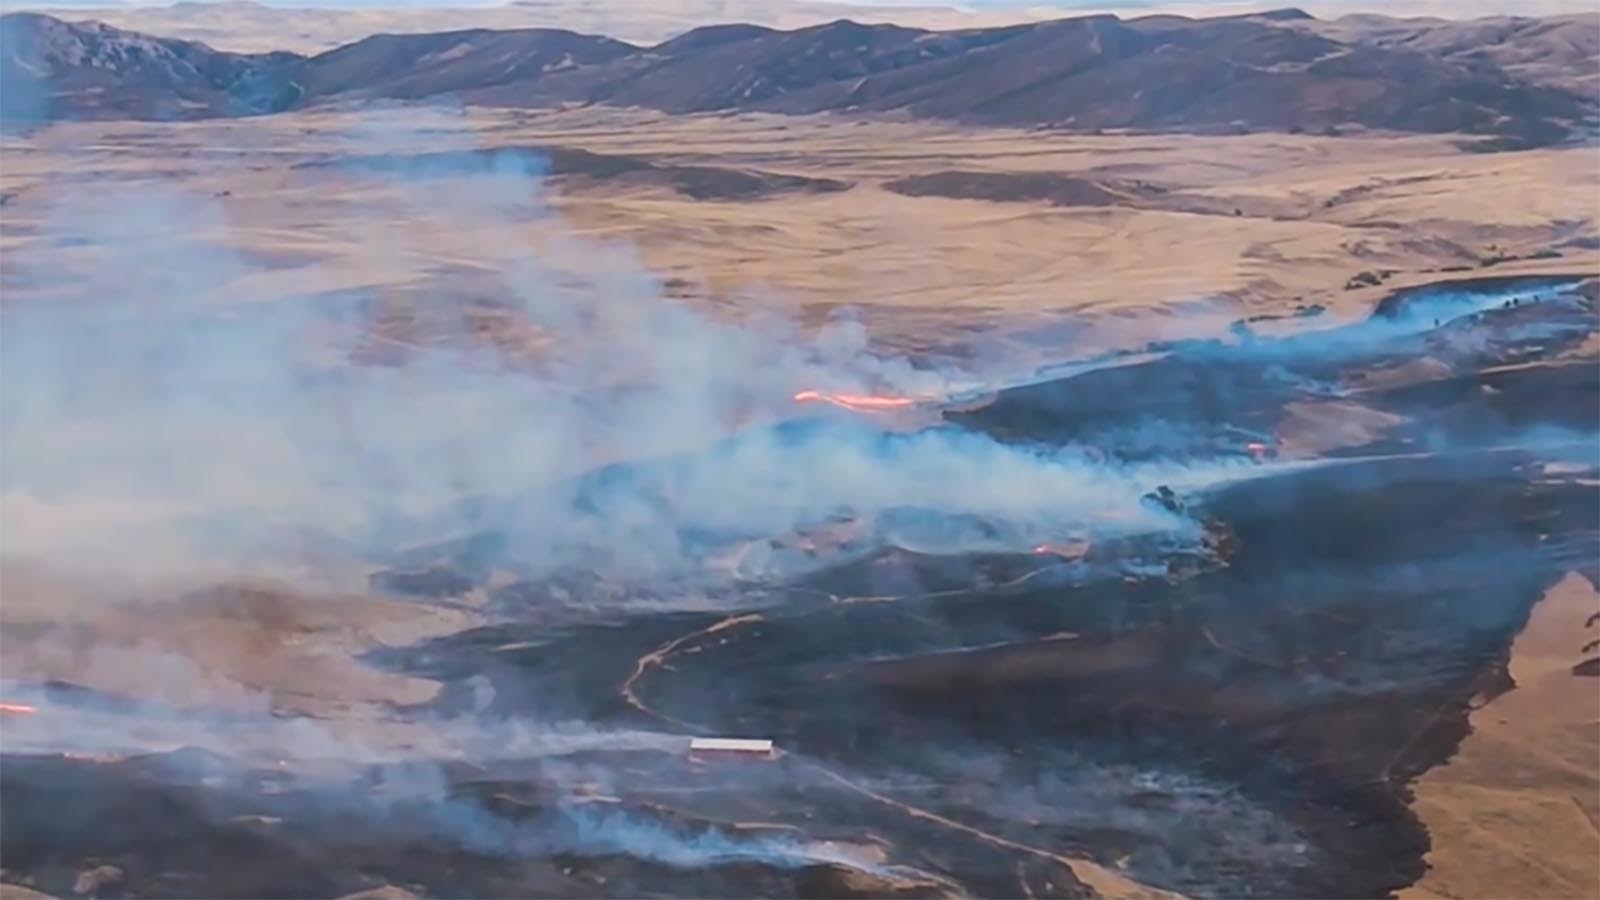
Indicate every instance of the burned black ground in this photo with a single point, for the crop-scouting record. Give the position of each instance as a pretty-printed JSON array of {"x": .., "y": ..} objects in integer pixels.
[{"x": 1246, "y": 723}]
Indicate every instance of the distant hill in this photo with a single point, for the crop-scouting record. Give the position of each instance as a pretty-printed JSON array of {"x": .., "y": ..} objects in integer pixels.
[
  {"x": 50, "y": 69},
  {"x": 1556, "y": 50},
  {"x": 1272, "y": 71},
  {"x": 313, "y": 26}
]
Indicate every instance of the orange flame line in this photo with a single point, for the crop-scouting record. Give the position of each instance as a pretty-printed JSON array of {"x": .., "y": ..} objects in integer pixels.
[
  {"x": 18, "y": 709},
  {"x": 93, "y": 757},
  {"x": 856, "y": 402}
]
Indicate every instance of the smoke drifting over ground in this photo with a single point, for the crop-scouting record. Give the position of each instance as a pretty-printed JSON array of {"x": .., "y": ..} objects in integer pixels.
[
  {"x": 167, "y": 424},
  {"x": 156, "y": 426},
  {"x": 1116, "y": 614}
]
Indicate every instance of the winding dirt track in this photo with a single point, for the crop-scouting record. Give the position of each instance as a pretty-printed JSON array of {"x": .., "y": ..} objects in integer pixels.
[
  {"x": 658, "y": 657},
  {"x": 1103, "y": 881}
]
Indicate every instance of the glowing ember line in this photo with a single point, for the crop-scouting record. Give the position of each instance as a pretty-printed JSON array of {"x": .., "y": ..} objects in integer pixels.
[
  {"x": 856, "y": 402},
  {"x": 93, "y": 757},
  {"x": 1067, "y": 551},
  {"x": 18, "y": 709}
]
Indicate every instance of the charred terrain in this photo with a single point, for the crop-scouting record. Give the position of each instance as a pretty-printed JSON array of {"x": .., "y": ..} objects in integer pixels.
[
  {"x": 1235, "y": 707},
  {"x": 1105, "y": 457}
]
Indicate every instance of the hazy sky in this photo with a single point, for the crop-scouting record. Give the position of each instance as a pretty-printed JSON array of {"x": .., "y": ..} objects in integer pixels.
[
  {"x": 1037, "y": 8},
  {"x": 1453, "y": 8}
]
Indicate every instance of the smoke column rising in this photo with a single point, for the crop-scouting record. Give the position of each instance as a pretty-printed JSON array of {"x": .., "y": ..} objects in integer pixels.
[{"x": 155, "y": 425}]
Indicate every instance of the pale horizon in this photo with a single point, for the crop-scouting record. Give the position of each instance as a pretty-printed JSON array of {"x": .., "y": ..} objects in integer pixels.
[{"x": 1021, "y": 9}]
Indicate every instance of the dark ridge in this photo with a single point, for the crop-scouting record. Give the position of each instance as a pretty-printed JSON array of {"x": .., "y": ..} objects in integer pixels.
[
  {"x": 1480, "y": 405},
  {"x": 1057, "y": 188},
  {"x": 411, "y": 66},
  {"x": 708, "y": 36},
  {"x": 1229, "y": 74},
  {"x": 52, "y": 70},
  {"x": 1289, "y": 14},
  {"x": 434, "y": 582},
  {"x": 1404, "y": 302},
  {"x": 1209, "y": 398},
  {"x": 697, "y": 182}
]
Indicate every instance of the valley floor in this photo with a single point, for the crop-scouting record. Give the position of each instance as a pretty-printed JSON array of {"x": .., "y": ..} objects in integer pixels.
[{"x": 1090, "y": 242}]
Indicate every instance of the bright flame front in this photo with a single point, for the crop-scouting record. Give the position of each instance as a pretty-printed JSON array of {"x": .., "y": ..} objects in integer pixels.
[{"x": 856, "y": 402}]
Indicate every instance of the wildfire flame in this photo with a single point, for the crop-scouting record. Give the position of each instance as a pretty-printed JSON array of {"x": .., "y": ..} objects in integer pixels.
[
  {"x": 856, "y": 402},
  {"x": 1070, "y": 550},
  {"x": 93, "y": 757},
  {"x": 18, "y": 709}
]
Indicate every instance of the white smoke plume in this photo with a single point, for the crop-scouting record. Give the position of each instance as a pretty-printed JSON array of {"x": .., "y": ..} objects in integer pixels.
[{"x": 155, "y": 423}]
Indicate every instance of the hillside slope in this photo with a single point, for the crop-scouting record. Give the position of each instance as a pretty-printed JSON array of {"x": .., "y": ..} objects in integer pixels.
[{"x": 1277, "y": 71}]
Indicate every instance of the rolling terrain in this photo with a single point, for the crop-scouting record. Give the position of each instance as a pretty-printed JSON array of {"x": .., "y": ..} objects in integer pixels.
[
  {"x": 250, "y": 27},
  {"x": 1136, "y": 458},
  {"x": 1145, "y": 717},
  {"x": 1271, "y": 71}
]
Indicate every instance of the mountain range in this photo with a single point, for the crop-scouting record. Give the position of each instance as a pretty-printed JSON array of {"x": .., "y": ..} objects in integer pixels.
[{"x": 1526, "y": 84}]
